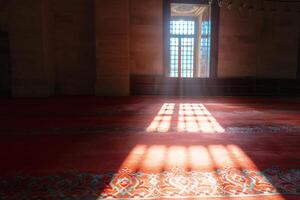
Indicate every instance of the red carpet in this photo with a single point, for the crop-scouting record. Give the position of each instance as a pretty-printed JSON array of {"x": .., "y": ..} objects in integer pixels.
[{"x": 150, "y": 148}]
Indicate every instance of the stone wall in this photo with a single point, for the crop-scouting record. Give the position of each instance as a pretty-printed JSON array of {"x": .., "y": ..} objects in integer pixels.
[
  {"x": 5, "y": 73},
  {"x": 258, "y": 44},
  {"x": 112, "y": 47},
  {"x": 71, "y": 45},
  {"x": 80, "y": 47},
  {"x": 146, "y": 37},
  {"x": 5, "y": 67},
  {"x": 52, "y": 47},
  {"x": 31, "y": 75}
]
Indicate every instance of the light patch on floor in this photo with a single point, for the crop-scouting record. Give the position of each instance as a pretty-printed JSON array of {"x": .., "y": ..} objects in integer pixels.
[{"x": 187, "y": 117}]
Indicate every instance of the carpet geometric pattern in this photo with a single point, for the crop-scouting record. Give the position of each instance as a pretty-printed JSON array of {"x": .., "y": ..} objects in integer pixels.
[
  {"x": 172, "y": 184},
  {"x": 162, "y": 148}
]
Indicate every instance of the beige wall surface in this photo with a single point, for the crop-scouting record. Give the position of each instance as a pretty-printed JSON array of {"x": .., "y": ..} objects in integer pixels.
[
  {"x": 71, "y": 45},
  {"x": 258, "y": 44},
  {"x": 51, "y": 46},
  {"x": 112, "y": 47},
  {"x": 146, "y": 37}
]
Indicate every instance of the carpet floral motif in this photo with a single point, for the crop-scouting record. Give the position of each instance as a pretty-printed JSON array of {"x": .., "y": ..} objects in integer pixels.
[{"x": 175, "y": 183}]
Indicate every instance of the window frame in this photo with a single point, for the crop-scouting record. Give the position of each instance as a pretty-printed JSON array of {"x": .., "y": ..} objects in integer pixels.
[
  {"x": 194, "y": 36},
  {"x": 215, "y": 12}
]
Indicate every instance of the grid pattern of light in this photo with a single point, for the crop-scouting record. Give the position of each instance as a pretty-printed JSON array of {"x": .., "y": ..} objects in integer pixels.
[
  {"x": 182, "y": 48},
  {"x": 187, "y": 57},
  {"x": 162, "y": 121},
  {"x": 194, "y": 117},
  {"x": 205, "y": 28},
  {"x": 184, "y": 117},
  {"x": 205, "y": 44},
  {"x": 182, "y": 27},
  {"x": 174, "y": 48}
]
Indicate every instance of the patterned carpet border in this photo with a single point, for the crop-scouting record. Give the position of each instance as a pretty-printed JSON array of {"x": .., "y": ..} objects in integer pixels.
[{"x": 176, "y": 183}]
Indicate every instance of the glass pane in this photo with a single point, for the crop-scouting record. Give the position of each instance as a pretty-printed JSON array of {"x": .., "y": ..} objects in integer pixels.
[
  {"x": 174, "y": 48},
  {"x": 187, "y": 57},
  {"x": 183, "y": 33},
  {"x": 205, "y": 47},
  {"x": 182, "y": 27}
]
